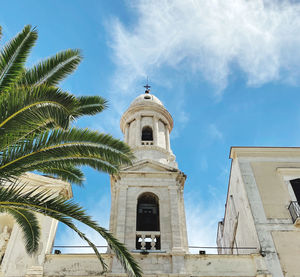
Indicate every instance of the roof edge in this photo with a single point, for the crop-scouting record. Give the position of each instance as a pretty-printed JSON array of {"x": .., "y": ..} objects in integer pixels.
[{"x": 246, "y": 151}]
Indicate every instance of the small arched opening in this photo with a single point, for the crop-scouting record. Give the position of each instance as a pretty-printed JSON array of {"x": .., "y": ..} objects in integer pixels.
[
  {"x": 147, "y": 222},
  {"x": 147, "y": 134},
  {"x": 147, "y": 212}
]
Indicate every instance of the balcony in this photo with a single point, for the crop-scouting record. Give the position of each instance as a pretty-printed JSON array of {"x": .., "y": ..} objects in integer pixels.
[
  {"x": 147, "y": 240},
  {"x": 294, "y": 209},
  {"x": 147, "y": 142}
]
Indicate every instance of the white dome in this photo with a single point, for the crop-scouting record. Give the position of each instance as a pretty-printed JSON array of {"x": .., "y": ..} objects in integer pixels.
[
  {"x": 149, "y": 104},
  {"x": 146, "y": 98}
]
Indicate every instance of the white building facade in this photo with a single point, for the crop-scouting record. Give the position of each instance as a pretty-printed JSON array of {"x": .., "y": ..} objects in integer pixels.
[{"x": 263, "y": 207}]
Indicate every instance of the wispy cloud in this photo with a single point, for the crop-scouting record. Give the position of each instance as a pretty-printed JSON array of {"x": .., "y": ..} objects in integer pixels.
[
  {"x": 214, "y": 132},
  {"x": 209, "y": 38},
  {"x": 202, "y": 223}
]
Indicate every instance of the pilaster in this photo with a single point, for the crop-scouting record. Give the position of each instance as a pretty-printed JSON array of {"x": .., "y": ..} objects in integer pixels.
[
  {"x": 121, "y": 212},
  {"x": 138, "y": 130},
  {"x": 175, "y": 220},
  {"x": 126, "y": 136},
  {"x": 155, "y": 130},
  {"x": 264, "y": 236},
  {"x": 167, "y": 138}
]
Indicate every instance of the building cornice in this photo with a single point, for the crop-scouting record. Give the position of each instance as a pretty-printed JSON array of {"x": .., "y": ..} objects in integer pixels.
[
  {"x": 142, "y": 108},
  {"x": 51, "y": 183},
  {"x": 236, "y": 152}
]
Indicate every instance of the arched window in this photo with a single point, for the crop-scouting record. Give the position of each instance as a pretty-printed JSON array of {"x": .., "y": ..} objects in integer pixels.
[
  {"x": 147, "y": 222},
  {"x": 147, "y": 218},
  {"x": 147, "y": 133}
]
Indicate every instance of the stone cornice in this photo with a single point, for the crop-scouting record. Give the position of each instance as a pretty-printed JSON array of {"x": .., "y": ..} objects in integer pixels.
[
  {"x": 288, "y": 170},
  {"x": 153, "y": 147},
  {"x": 144, "y": 108},
  {"x": 236, "y": 152},
  {"x": 51, "y": 183},
  {"x": 140, "y": 163},
  {"x": 167, "y": 171}
]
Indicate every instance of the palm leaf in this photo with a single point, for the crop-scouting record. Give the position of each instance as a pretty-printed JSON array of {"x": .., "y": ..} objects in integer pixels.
[
  {"x": 42, "y": 166},
  {"x": 19, "y": 129},
  {"x": 34, "y": 135},
  {"x": 26, "y": 99},
  {"x": 29, "y": 225},
  {"x": 60, "y": 148},
  {"x": 64, "y": 211},
  {"x": 13, "y": 56},
  {"x": 26, "y": 110},
  {"x": 68, "y": 173},
  {"x": 52, "y": 70},
  {"x": 89, "y": 105},
  {"x": 10, "y": 194}
]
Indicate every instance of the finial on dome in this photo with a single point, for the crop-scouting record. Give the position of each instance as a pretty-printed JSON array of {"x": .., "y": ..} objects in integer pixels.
[{"x": 147, "y": 87}]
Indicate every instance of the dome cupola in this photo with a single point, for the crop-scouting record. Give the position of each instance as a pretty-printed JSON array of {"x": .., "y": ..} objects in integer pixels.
[{"x": 146, "y": 126}]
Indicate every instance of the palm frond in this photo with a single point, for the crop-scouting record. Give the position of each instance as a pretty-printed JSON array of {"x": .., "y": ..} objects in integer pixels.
[
  {"x": 26, "y": 99},
  {"x": 39, "y": 120},
  {"x": 29, "y": 225},
  {"x": 60, "y": 148},
  {"x": 64, "y": 210},
  {"x": 41, "y": 166},
  {"x": 89, "y": 105},
  {"x": 68, "y": 173},
  {"x": 71, "y": 225},
  {"x": 25, "y": 110},
  {"x": 13, "y": 56},
  {"x": 35, "y": 135},
  {"x": 52, "y": 70}
]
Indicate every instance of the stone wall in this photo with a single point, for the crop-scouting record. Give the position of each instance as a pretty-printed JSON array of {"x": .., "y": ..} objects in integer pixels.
[{"x": 159, "y": 264}]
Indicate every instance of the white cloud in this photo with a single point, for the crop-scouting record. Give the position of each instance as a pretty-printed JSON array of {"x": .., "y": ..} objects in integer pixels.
[
  {"x": 202, "y": 223},
  {"x": 214, "y": 132},
  {"x": 209, "y": 38}
]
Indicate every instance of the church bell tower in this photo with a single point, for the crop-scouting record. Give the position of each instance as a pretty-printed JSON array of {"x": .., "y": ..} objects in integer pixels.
[{"x": 147, "y": 212}]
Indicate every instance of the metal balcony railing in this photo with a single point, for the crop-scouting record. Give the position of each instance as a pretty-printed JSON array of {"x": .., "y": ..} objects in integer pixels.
[
  {"x": 202, "y": 250},
  {"x": 294, "y": 209}
]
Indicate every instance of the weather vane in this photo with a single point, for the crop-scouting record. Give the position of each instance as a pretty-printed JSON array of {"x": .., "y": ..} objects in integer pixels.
[{"x": 147, "y": 87}]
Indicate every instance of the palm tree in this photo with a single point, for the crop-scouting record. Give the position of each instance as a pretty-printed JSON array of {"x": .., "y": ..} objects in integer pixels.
[{"x": 36, "y": 134}]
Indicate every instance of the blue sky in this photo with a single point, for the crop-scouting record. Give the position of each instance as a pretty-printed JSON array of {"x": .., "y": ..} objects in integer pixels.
[{"x": 228, "y": 72}]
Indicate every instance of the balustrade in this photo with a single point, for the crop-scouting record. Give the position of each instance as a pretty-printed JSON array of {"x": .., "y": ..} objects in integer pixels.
[
  {"x": 147, "y": 240},
  {"x": 146, "y": 142}
]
